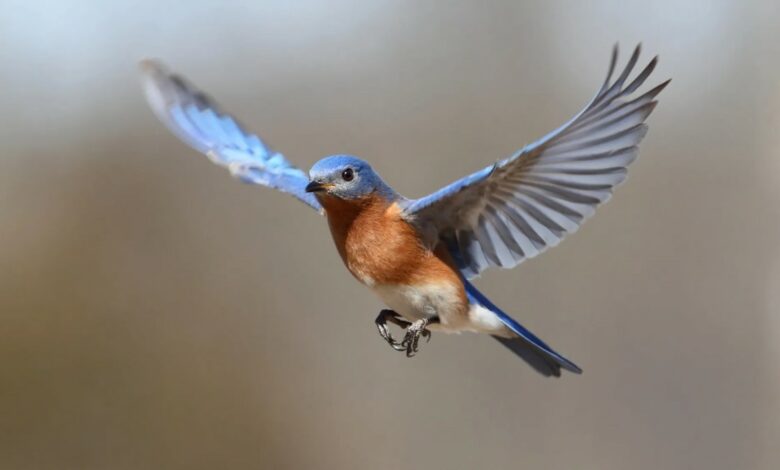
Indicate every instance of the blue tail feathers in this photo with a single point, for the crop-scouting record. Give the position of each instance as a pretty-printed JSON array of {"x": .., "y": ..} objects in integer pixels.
[{"x": 526, "y": 345}]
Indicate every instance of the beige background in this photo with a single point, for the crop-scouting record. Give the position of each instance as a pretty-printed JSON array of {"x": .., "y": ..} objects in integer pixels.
[{"x": 155, "y": 314}]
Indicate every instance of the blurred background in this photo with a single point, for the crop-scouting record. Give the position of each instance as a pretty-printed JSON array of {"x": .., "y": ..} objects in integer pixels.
[{"x": 156, "y": 314}]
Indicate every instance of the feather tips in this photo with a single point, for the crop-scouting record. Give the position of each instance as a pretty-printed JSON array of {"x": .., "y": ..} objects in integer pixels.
[
  {"x": 197, "y": 120},
  {"x": 517, "y": 208}
]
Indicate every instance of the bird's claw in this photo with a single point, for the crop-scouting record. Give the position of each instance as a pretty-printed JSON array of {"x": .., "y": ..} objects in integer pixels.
[
  {"x": 412, "y": 338},
  {"x": 381, "y": 325},
  {"x": 411, "y": 342}
]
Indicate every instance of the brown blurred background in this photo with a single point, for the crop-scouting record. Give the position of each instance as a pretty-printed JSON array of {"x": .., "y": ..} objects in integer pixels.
[{"x": 156, "y": 314}]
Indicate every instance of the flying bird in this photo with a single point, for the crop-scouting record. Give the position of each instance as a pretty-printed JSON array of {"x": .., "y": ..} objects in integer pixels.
[{"x": 419, "y": 255}]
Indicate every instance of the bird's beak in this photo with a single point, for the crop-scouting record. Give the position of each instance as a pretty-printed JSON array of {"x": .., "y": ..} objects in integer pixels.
[{"x": 316, "y": 186}]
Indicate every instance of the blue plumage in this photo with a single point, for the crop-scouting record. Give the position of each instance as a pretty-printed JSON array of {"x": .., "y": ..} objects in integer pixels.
[
  {"x": 535, "y": 351},
  {"x": 364, "y": 180},
  {"x": 199, "y": 122},
  {"x": 499, "y": 216},
  {"x": 518, "y": 207}
]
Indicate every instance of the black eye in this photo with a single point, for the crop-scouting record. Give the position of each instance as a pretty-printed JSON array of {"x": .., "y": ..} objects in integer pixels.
[{"x": 347, "y": 174}]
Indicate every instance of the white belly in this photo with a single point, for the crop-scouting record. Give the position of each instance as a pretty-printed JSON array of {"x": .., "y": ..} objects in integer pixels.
[
  {"x": 422, "y": 301},
  {"x": 438, "y": 300}
]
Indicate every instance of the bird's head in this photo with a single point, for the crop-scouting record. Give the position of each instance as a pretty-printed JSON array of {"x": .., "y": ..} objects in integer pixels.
[{"x": 345, "y": 177}]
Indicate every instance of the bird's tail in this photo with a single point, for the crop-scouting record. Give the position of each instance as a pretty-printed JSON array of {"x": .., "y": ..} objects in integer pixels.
[{"x": 531, "y": 349}]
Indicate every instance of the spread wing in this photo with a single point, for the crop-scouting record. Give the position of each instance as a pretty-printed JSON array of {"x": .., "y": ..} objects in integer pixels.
[
  {"x": 518, "y": 207},
  {"x": 199, "y": 122}
]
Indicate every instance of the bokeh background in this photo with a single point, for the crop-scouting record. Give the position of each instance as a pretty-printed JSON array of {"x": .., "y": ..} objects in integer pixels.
[{"x": 156, "y": 314}]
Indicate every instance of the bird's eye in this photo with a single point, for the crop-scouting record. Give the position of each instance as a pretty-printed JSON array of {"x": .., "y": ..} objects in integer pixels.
[{"x": 348, "y": 174}]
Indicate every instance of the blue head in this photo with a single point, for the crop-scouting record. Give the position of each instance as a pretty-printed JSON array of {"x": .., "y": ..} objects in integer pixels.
[{"x": 346, "y": 177}]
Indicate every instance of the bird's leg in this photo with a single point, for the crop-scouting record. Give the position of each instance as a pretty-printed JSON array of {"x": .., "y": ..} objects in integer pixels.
[
  {"x": 413, "y": 333},
  {"x": 381, "y": 325}
]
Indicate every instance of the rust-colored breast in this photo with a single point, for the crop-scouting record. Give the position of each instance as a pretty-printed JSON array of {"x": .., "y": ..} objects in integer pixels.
[{"x": 381, "y": 248}]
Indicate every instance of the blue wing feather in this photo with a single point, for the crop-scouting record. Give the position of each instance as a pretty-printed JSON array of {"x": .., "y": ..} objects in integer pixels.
[
  {"x": 451, "y": 189},
  {"x": 518, "y": 207},
  {"x": 200, "y": 123}
]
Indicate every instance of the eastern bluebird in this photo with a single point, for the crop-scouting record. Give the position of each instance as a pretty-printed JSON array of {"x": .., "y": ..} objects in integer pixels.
[{"x": 418, "y": 255}]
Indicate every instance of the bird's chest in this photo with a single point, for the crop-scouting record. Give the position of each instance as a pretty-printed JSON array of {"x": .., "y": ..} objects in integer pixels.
[
  {"x": 385, "y": 253},
  {"x": 375, "y": 243}
]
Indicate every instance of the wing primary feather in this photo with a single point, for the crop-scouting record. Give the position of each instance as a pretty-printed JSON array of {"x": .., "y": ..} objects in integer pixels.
[
  {"x": 610, "y": 71},
  {"x": 197, "y": 120},
  {"x": 524, "y": 204},
  {"x": 618, "y": 85},
  {"x": 545, "y": 221},
  {"x": 615, "y": 91},
  {"x": 640, "y": 79},
  {"x": 615, "y": 88},
  {"x": 505, "y": 231},
  {"x": 630, "y": 118},
  {"x": 525, "y": 228},
  {"x": 575, "y": 217},
  {"x": 633, "y": 135},
  {"x": 515, "y": 253},
  {"x": 485, "y": 242},
  {"x": 565, "y": 194},
  {"x": 635, "y": 102}
]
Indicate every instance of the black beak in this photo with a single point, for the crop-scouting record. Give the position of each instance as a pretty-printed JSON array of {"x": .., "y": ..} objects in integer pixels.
[{"x": 315, "y": 187}]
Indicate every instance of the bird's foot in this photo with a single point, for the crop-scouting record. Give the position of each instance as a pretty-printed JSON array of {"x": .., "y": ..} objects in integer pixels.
[
  {"x": 412, "y": 338},
  {"x": 411, "y": 342},
  {"x": 381, "y": 325}
]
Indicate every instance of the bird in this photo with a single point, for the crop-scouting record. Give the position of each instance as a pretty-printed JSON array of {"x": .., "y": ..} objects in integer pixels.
[{"x": 420, "y": 256}]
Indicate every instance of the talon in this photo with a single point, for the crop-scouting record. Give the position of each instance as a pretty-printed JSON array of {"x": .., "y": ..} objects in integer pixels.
[
  {"x": 412, "y": 338},
  {"x": 381, "y": 325},
  {"x": 411, "y": 342}
]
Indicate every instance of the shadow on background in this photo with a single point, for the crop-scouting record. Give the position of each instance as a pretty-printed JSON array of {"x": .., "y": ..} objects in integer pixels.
[{"x": 157, "y": 314}]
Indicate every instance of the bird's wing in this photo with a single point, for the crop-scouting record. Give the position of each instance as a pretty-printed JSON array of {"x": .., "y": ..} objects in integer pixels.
[
  {"x": 199, "y": 122},
  {"x": 518, "y": 207}
]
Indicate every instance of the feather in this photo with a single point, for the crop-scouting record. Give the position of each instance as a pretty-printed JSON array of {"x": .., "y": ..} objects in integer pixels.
[
  {"x": 197, "y": 120},
  {"x": 520, "y": 206}
]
